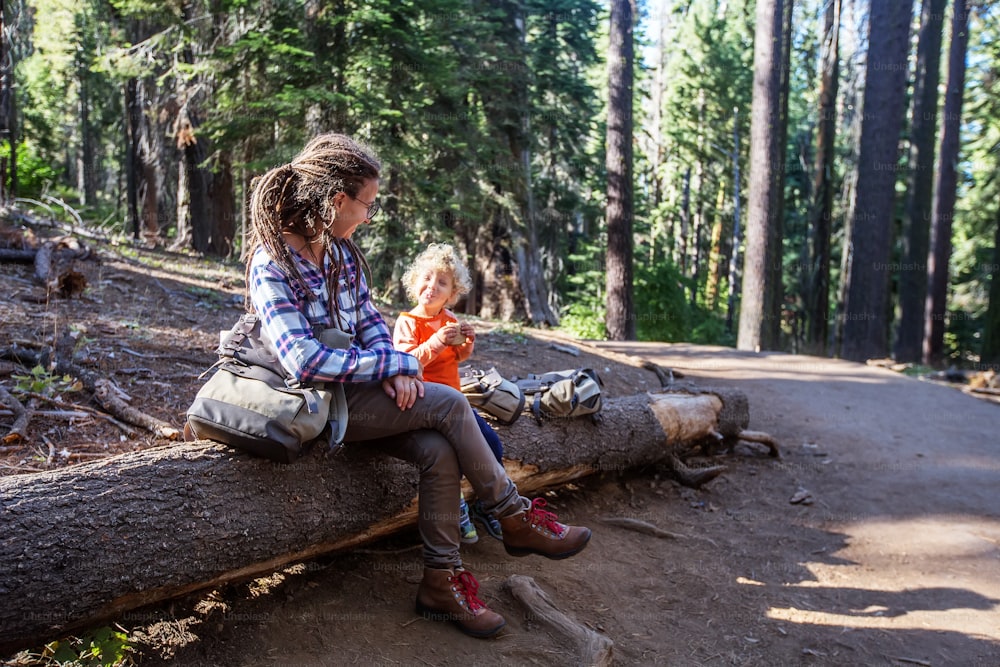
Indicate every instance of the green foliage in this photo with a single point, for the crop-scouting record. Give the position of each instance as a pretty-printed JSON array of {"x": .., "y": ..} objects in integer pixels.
[
  {"x": 35, "y": 172},
  {"x": 583, "y": 284},
  {"x": 41, "y": 381},
  {"x": 489, "y": 118},
  {"x": 102, "y": 647},
  {"x": 664, "y": 311}
]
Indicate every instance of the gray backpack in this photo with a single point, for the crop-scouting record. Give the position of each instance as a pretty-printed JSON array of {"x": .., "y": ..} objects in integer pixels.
[{"x": 571, "y": 393}]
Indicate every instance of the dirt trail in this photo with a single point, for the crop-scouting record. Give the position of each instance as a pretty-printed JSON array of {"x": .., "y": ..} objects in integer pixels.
[{"x": 905, "y": 473}]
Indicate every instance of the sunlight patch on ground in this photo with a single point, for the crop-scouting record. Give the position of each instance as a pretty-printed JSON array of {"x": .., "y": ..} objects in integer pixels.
[
  {"x": 977, "y": 626},
  {"x": 938, "y": 573}
]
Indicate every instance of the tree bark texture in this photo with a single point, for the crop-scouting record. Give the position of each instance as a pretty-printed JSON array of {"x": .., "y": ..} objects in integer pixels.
[
  {"x": 757, "y": 323},
  {"x": 989, "y": 357},
  {"x": 818, "y": 294},
  {"x": 84, "y": 544},
  {"x": 920, "y": 185},
  {"x": 620, "y": 317},
  {"x": 945, "y": 190},
  {"x": 866, "y": 309}
]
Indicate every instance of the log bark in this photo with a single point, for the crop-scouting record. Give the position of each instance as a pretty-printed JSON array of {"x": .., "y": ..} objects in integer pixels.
[{"x": 84, "y": 544}]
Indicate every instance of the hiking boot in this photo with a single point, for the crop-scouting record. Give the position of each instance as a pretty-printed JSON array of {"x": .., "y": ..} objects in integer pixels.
[
  {"x": 469, "y": 535},
  {"x": 536, "y": 531},
  {"x": 488, "y": 521},
  {"x": 450, "y": 595}
]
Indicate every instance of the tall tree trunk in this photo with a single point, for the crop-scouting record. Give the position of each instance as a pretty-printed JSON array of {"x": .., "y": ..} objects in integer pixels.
[
  {"x": 194, "y": 220},
  {"x": 776, "y": 230},
  {"x": 944, "y": 192},
  {"x": 920, "y": 184},
  {"x": 818, "y": 292},
  {"x": 716, "y": 256},
  {"x": 735, "y": 279},
  {"x": 698, "y": 220},
  {"x": 222, "y": 202},
  {"x": 529, "y": 260},
  {"x": 133, "y": 120},
  {"x": 866, "y": 309},
  {"x": 87, "y": 161},
  {"x": 620, "y": 320},
  {"x": 8, "y": 136},
  {"x": 989, "y": 357},
  {"x": 756, "y": 329},
  {"x": 682, "y": 245}
]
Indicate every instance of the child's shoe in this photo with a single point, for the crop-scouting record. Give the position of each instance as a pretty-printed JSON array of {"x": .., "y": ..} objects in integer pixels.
[
  {"x": 488, "y": 521},
  {"x": 469, "y": 535}
]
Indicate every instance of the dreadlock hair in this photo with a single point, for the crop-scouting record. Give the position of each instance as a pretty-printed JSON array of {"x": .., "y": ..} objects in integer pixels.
[{"x": 298, "y": 197}]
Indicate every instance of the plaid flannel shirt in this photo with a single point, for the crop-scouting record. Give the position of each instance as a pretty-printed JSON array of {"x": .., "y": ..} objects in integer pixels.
[{"x": 289, "y": 319}]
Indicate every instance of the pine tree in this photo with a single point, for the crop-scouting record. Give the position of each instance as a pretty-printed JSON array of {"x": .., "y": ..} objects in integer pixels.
[
  {"x": 759, "y": 317},
  {"x": 920, "y": 184},
  {"x": 818, "y": 292},
  {"x": 945, "y": 189},
  {"x": 620, "y": 320},
  {"x": 866, "y": 308}
]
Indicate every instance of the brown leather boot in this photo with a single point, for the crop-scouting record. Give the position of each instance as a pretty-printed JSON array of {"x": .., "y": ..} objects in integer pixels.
[
  {"x": 447, "y": 595},
  {"x": 536, "y": 531}
]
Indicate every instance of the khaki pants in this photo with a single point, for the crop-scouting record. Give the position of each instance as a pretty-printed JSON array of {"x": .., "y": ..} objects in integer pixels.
[{"x": 441, "y": 436}]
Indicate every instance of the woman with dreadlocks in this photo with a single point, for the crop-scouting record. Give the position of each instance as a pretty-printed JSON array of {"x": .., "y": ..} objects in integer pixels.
[{"x": 304, "y": 274}]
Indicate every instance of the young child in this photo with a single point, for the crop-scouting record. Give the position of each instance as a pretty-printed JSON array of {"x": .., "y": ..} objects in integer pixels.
[{"x": 432, "y": 333}]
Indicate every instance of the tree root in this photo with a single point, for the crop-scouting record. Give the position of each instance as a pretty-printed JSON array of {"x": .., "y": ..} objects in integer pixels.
[
  {"x": 592, "y": 647},
  {"x": 643, "y": 527},
  {"x": 693, "y": 477}
]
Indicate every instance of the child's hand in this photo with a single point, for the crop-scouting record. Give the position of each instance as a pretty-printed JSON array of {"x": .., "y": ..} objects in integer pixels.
[
  {"x": 468, "y": 331},
  {"x": 451, "y": 334}
]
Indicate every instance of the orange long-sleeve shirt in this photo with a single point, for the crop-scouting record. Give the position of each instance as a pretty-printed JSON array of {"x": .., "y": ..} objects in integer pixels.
[{"x": 415, "y": 335}]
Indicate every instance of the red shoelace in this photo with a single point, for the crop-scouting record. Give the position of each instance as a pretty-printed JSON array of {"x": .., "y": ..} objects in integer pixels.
[
  {"x": 468, "y": 586},
  {"x": 538, "y": 516}
]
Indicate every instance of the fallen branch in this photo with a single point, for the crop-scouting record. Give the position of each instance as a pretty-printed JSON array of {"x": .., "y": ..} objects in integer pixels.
[
  {"x": 104, "y": 392},
  {"x": 128, "y": 430},
  {"x": 21, "y": 417},
  {"x": 17, "y": 256},
  {"x": 592, "y": 648},
  {"x": 101, "y": 388}
]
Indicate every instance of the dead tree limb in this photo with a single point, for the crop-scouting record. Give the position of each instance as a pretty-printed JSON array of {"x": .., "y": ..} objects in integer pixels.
[
  {"x": 21, "y": 417},
  {"x": 83, "y": 544},
  {"x": 16, "y": 256},
  {"x": 105, "y": 394}
]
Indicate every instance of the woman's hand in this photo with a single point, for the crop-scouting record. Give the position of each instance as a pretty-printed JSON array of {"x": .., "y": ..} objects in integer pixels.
[{"x": 404, "y": 390}]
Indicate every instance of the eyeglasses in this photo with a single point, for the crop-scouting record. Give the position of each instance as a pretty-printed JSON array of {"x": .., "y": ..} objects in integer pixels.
[{"x": 373, "y": 207}]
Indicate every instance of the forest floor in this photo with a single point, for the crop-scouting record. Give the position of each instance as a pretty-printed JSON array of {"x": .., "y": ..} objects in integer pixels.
[{"x": 873, "y": 540}]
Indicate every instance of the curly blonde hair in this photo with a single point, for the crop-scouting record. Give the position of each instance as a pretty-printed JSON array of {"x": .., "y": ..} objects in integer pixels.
[{"x": 438, "y": 257}]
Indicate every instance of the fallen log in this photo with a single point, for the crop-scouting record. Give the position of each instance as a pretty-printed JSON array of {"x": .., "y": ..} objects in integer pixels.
[{"x": 84, "y": 544}]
